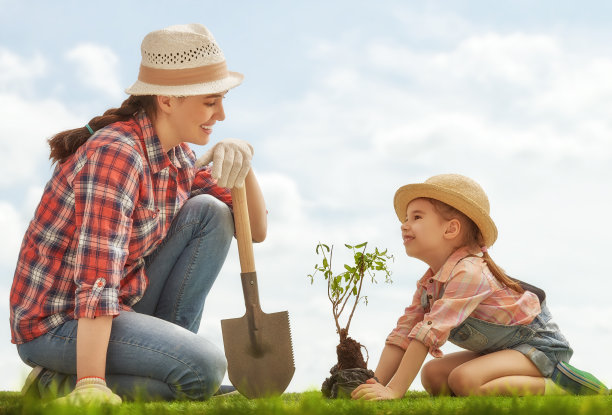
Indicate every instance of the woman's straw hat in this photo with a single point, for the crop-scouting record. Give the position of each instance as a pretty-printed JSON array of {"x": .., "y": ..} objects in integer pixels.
[
  {"x": 182, "y": 60},
  {"x": 460, "y": 192}
]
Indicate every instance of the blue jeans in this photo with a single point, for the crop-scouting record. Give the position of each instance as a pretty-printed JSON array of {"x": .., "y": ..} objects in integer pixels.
[
  {"x": 541, "y": 340},
  {"x": 154, "y": 352}
]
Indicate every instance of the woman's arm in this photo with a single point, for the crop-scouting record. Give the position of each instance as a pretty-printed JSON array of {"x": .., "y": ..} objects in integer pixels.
[
  {"x": 92, "y": 343},
  {"x": 257, "y": 208}
]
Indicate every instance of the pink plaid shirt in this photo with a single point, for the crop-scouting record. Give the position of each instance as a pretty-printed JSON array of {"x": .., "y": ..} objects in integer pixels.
[
  {"x": 104, "y": 209},
  {"x": 464, "y": 287}
]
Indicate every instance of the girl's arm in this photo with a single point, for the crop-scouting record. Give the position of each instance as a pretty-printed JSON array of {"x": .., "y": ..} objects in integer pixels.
[
  {"x": 257, "y": 208},
  {"x": 403, "y": 377},
  {"x": 389, "y": 362},
  {"x": 409, "y": 367}
]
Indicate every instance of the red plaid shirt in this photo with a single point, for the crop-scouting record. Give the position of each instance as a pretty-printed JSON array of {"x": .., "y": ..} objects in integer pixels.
[{"x": 104, "y": 209}]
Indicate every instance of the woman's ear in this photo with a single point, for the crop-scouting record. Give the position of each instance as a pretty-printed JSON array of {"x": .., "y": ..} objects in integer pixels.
[
  {"x": 453, "y": 229},
  {"x": 164, "y": 103}
]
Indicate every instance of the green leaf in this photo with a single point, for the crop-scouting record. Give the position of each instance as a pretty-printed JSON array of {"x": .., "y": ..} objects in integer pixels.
[{"x": 361, "y": 245}]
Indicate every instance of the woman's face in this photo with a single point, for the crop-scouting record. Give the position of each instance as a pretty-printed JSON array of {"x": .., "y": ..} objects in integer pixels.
[{"x": 193, "y": 117}]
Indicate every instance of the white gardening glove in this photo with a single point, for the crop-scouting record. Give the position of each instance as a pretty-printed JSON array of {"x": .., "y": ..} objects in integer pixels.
[
  {"x": 90, "y": 391},
  {"x": 231, "y": 159}
]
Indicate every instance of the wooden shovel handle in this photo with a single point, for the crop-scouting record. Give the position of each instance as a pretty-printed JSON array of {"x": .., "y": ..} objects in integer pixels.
[{"x": 243, "y": 229}]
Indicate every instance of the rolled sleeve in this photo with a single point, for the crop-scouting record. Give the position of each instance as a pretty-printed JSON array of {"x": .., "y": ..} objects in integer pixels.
[
  {"x": 429, "y": 336},
  {"x": 105, "y": 191},
  {"x": 96, "y": 300},
  {"x": 412, "y": 315}
]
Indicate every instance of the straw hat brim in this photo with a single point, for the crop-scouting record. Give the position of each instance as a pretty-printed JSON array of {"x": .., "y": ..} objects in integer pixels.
[
  {"x": 231, "y": 81},
  {"x": 471, "y": 209}
]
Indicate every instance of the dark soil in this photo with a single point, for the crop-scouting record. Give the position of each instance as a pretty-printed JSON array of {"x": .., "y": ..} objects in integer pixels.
[
  {"x": 350, "y": 371},
  {"x": 349, "y": 353}
]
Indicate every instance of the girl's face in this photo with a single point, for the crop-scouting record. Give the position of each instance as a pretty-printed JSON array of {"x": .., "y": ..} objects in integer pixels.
[
  {"x": 423, "y": 230},
  {"x": 193, "y": 117}
]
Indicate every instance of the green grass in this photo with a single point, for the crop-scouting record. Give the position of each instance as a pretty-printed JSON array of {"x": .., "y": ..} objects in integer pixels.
[{"x": 312, "y": 403}]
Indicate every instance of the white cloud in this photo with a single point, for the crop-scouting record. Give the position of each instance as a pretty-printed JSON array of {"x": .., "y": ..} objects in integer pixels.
[
  {"x": 97, "y": 68},
  {"x": 26, "y": 125},
  {"x": 17, "y": 72}
]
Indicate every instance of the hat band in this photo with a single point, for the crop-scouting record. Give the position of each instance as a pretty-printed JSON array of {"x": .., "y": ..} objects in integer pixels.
[{"x": 188, "y": 76}]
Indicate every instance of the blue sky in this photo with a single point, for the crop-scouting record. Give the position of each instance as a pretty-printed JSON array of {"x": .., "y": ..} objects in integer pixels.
[{"x": 344, "y": 102}]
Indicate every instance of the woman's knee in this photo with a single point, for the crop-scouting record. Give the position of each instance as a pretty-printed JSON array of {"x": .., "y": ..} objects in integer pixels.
[
  {"x": 212, "y": 214},
  {"x": 203, "y": 379}
]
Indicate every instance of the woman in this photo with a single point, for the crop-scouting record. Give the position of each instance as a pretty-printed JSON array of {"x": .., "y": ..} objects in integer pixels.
[{"x": 130, "y": 235}]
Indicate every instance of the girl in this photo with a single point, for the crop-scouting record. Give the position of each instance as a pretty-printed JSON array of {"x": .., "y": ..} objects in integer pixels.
[
  {"x": 130, "y": 235},
  {"x": 513, "y": 345}
]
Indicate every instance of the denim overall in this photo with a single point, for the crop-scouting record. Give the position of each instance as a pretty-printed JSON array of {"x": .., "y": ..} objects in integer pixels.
[{"x": 541, "y": 340}]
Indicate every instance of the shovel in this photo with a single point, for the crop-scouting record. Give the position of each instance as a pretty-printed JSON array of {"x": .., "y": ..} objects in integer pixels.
[{"x": 258, "y": 345}]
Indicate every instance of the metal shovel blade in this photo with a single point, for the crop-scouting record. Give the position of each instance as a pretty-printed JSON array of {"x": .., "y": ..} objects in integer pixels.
[
  {"x": 258, "y": 345},
  {"x": 260, "y": 361}
]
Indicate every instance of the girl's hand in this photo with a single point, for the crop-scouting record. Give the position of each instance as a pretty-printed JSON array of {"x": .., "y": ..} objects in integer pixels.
[{"x": 373, "y": 391}]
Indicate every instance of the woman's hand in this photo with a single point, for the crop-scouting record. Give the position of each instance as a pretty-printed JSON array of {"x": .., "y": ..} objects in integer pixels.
[
  {"x": 90, "y": 391},
  {"x": 373, "y": 391},
  {"x": 231, "y": 159}
]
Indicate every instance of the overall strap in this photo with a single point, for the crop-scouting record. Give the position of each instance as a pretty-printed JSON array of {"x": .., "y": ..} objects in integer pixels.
[{"x": 532, "y": 288}]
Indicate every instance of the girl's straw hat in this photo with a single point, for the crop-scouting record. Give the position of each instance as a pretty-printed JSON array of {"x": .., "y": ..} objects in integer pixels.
[
  {"x": 460, "y": 192},
  {"x": 182, "y": 60}
]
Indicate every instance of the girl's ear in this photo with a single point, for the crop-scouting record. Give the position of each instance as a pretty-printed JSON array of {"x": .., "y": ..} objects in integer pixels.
[{"x": 453, "y": 229}]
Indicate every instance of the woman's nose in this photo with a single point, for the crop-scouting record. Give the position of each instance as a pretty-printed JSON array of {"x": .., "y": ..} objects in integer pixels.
[{"x": 220, "y": 112}]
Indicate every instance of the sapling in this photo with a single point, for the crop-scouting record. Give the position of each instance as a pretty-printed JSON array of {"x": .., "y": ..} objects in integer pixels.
[{"x": 345, "y": 292}]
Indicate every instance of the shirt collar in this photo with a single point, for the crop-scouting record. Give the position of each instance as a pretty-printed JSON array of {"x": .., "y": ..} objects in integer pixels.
[
  {"x": 180, "y": 156},
  {"x": 445, "y": 271}
]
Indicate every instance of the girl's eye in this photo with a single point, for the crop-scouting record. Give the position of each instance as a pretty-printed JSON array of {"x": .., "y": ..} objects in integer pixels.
[{"x": 417, "y": 217}]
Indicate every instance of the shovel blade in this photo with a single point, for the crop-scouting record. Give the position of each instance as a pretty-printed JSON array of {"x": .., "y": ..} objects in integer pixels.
[{"x": 263, "y": 368}]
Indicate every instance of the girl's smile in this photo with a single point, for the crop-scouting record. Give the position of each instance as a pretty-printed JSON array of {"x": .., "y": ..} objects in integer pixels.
[{"x": 407, "y": 238}]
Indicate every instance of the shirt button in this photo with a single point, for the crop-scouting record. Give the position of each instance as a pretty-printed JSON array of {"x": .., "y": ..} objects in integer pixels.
[
  {"x": 100, "y": 284},
  {"x": 431, "y": 281},
  {"x": 429, "y": 296},
  {"x": 429, "y": 323}
]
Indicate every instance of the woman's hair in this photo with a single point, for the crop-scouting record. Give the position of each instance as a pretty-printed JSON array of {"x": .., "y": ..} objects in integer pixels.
[
  {"x": 471, "y": 236},
  {"x": 66, "y": 143}
]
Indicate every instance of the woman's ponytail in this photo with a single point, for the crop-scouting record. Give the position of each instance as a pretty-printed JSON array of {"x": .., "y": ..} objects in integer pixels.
[{"x": 66, "y": 143}]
